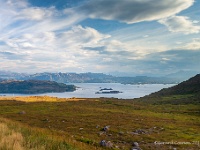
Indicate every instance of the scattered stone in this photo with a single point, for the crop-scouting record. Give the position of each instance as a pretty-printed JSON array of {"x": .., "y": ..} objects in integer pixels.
[
  {"x": 105, "y": 143},
  {"x": 106, "y": 128},
  {"x": 135, "y": 146},
  {"x": 139, "y": 131},
  {"x": 80, "y": 128},
  {"x": 22, "y": 112},
  {"x": 147, "y": 131}
]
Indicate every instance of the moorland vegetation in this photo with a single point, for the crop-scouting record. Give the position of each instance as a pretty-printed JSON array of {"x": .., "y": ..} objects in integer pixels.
[{"x": 160, "y": 121}]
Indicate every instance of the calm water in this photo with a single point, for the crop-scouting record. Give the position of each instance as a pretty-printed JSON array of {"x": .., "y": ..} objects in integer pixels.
[{"x": 87, "y": 90}]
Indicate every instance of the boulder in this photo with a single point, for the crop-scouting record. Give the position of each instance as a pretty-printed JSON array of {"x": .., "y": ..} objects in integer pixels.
[
  {"x": 106, "y": 128},
  {"x": 135, "y": 146},
  {"x": 105, "y": 143}
]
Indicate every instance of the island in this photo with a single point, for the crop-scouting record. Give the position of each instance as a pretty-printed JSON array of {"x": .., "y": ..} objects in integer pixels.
[
  {"x": 34, "y": 87},
  {"x": 107, "y": 91}
]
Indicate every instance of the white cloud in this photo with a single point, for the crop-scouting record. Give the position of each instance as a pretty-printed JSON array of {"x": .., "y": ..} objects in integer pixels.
[
  {"x": 41, "y": 39},
  {"x": 49, "y": 48},
  {"x": 180, "y": 24},
  {"x": 36, "y": 13},
  {"x": 82, "y": 36},
  {"x": 14, "y": 3},
  {"x": 32, "y": 41},
  {"x": 194, "y": 45},
  {"x": 17, "y": 19},
  {"x": 131, "y": 11}
]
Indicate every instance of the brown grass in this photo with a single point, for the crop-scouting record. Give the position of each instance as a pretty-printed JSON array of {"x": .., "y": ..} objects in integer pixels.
[
  {"x": 9, "y": 139},
  {"x": 17, "y": 136}
]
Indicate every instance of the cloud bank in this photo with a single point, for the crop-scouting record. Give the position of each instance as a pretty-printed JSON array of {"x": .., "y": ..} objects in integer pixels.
[{"x": 132, "y": 11}]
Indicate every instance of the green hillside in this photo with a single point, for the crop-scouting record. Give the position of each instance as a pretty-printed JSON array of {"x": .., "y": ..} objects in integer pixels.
[
  {"x": 187, "y": 92},
  {"x": 191, "y": 86},
  {"x": 33, "y": 87}
]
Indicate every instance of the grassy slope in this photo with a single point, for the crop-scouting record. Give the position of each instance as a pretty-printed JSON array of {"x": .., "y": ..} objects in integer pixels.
[
  {"x": 17, "y": 136},
  {"x": 82, "y": 121}
]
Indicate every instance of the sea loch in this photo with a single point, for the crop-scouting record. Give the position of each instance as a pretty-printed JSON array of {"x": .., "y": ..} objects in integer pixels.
[{"x": 88, "y": 90}]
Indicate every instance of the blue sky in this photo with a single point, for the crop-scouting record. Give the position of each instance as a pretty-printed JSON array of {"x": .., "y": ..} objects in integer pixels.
[{"x": 140, "y": 37}]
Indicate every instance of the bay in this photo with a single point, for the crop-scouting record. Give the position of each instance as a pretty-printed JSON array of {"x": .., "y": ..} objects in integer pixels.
[{"x": 88, "y": 90}]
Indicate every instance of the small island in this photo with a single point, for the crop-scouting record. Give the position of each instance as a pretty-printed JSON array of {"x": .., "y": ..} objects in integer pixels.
[
  {"x": 34, "y": 87},
  {"x": 107, "y": 91}
]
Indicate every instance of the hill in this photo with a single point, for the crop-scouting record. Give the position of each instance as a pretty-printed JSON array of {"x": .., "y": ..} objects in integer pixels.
[
  {"x": 191, "y": 86},
  {"x": 187, "y": 92},
  {"x": 33, "y": 87}
]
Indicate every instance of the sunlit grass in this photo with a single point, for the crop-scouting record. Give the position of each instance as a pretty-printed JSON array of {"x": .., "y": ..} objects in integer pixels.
[{"x": 40, "y": 99}]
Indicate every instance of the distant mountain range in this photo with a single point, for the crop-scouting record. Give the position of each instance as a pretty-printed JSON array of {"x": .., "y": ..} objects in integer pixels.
[
  {"x": 11, "y": 75},
  {"x": 91, "y": 78},
  {"x": 182, "y": 75}
]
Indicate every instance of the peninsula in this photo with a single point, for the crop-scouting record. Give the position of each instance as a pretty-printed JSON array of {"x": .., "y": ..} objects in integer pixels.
[{"x": 34, "y": 87}]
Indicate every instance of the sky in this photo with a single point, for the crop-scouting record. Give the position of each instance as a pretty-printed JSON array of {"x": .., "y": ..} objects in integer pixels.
[{"x": 130, "y": 36}]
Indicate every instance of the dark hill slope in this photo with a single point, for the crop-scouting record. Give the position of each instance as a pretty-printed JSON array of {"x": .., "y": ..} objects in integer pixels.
[
  {"x": 33, "y": 87},
  {"x": 191, "y": 86},
  {"x": 187, "y": 92}
]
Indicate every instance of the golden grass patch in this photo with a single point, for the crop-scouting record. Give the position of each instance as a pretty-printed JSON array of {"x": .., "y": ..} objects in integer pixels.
[{"x": 40, "y": 99}]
